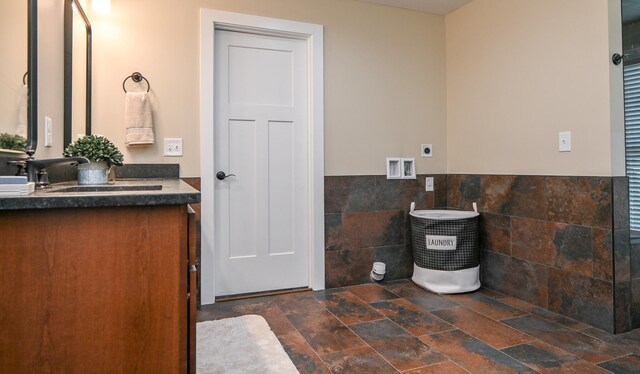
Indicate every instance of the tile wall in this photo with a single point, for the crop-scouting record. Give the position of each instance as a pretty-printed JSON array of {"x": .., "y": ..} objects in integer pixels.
[
  {"x": 561, "y": 243},
  {"x": 367, "y": 220},
  {"x": 635, "y": 282}
]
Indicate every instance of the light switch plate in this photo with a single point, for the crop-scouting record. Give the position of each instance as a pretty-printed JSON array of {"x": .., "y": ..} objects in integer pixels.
[
  {"x": 48, "y": 132},
  {"x": 173, "y": 147},
  {"x": 564, "y": 141}
]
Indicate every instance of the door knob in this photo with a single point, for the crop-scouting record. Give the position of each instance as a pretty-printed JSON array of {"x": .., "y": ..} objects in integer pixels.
[{"x": 222, "y": 176}]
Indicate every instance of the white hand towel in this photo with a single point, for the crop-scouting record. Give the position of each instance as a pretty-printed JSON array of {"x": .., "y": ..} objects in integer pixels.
[
  {"x": 138, "y": 121},
  {"x": 23, "y": 104}
]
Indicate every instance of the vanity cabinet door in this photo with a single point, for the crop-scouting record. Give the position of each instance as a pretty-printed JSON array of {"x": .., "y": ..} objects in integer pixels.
[{"x": 94, "y": 290}]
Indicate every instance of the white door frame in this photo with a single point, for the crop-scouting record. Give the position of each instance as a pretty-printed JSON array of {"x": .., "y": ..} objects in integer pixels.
[{"x": 210, "y": 21}]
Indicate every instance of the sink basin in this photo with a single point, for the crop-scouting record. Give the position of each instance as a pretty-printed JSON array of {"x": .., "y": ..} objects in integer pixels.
[{"x": 110, "y": 188}]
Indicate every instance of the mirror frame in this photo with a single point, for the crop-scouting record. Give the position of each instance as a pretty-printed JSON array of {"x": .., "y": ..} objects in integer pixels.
[
  {"x": 32, "y": 77},
  {"x": 68, "y": 69}
]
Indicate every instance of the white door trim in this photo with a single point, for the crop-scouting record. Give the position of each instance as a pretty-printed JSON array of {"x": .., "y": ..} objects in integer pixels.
[{"x": 210, "y": 21}]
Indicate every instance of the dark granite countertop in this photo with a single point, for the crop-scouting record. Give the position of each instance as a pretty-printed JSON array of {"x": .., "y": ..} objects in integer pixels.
[{"x": 147, "y": 192}]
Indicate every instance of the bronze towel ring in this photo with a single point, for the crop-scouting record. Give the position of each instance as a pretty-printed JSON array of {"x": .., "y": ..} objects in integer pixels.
[{"x": 136, "y": 77}]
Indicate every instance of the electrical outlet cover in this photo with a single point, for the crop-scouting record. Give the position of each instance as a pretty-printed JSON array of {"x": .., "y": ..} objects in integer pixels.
[{"x": 428, "y": 184}]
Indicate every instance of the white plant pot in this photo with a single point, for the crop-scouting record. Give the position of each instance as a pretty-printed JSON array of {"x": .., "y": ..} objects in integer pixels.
[{"x": 93, "y": 173}]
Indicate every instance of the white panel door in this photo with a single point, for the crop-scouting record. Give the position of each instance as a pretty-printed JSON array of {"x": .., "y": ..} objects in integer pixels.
[{"x": 261, "y": 137}]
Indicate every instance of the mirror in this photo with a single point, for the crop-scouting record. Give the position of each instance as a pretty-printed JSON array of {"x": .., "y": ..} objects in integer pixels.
[
  {"x": 18, "y": 46},
  {"x": 77, "y": 87}
]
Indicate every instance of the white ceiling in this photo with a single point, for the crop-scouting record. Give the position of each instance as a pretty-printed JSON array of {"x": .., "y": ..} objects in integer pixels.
[{"x": 430, "y": 6}]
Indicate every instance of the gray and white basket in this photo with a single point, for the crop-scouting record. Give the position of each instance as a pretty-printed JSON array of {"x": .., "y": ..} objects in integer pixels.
[{"x": 445, "y": 250}]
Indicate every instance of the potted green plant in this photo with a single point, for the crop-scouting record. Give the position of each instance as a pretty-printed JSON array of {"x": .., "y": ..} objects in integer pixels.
[
  {"x": 12, "y": 145},
  {"x": 102, "y": 153}
]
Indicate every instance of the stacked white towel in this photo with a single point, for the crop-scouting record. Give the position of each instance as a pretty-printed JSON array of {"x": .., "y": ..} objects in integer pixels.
[
  {"x": 138, "y": 121},
  {"x": 15, "y": 186}
]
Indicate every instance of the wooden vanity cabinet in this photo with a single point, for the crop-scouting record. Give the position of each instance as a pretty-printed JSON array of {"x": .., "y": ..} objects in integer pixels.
[{"x": 97, "y": 290}]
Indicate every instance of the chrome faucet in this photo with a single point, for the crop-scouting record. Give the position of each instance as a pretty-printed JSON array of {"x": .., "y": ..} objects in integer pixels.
[{"x": 35, "y": 170}]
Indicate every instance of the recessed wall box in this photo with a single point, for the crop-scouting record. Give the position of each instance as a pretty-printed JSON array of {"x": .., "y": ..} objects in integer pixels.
[
  {"x": 394, "y": 168},
  {"x": 401, "y": 168},
  {"x": 408, "y": 168}
]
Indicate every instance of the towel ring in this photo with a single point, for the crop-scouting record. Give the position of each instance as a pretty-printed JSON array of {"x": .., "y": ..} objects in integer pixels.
[
  {"x": 24, "y": 78},
  {"x": 136, "y": 77}
]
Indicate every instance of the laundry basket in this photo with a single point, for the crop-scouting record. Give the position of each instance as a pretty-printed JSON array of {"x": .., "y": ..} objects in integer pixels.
[{"x": 445, "y": 250}]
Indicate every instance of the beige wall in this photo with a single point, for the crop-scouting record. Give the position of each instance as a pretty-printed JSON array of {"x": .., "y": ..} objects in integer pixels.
[
  {"x": 384, "y": 77},
  {"x": 518, "y": 72}
]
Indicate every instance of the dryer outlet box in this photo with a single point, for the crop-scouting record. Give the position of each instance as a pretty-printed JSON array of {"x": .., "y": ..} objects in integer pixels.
[{"x": 426, "y": 150}]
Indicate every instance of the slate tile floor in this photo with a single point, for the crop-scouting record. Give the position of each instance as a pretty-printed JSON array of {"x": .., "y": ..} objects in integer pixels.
[{"x": 398, "y": 327}]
